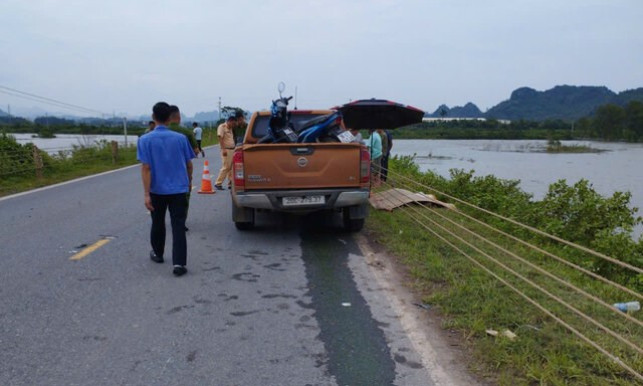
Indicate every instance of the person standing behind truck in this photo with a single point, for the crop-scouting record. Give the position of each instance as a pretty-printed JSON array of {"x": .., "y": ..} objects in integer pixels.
[
  {"x": 386, "y": 154},
  {"x": 357, "y": 136},
  {"x": 240, "y": 126},
  {"x": 166, "y": 171},
  {"x": 150, "y": 126},
  {"x": 226, "y": 142},
  {"x": 374, "y": 143},
  {"x": 175, "y": 125},
  {"x": 384, "y": 160},
  {"x": 198, "y": 134}
]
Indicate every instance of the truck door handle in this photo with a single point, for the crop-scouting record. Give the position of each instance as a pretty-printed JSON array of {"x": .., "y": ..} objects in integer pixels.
[{"x": 302, "y": 150}]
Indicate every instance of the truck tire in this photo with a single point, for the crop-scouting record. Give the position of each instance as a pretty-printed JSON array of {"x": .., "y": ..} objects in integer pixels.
[
  {"x": 244, "y": 226},
  {"x": 352, "y": 224},
  {"x": 244, "y": 218}
]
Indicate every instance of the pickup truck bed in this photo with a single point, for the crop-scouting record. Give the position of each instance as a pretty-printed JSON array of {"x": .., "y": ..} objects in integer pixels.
[{"x": 300, "y": 177}]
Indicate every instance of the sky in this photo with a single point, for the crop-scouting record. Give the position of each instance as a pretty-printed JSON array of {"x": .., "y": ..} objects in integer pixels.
[{"x": 120, "y": 57}]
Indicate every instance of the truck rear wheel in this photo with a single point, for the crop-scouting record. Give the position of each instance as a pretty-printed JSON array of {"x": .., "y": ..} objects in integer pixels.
[
  {"x": 244, "y": 226},
  {"x": 352, "y": 224},
  {"x": 244, "y": 218}
]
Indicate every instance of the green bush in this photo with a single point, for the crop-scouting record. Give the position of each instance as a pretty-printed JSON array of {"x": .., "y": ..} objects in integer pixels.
[{"x": 470, "y": 301}]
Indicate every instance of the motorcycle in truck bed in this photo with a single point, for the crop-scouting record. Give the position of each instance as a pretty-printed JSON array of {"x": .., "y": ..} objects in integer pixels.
[
  {"x": 303, "y": 161},
  {"x": 298, "y": 177}
]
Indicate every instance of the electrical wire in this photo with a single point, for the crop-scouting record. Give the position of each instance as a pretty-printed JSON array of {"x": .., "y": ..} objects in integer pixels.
[
  {"x": 537, "y": 268},
  {"x": 530, "y": 228},
  {"x": 526, "y": 297},
  {"x": 526, "y": 280},
  {"x": 46, "y": 100}
]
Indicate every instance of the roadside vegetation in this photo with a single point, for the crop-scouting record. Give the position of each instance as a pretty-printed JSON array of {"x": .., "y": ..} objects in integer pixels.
[
  {"x": 470, "y": 300},
  {"x": 608, "y": 123},
  {"x": 23, "y": 167}
]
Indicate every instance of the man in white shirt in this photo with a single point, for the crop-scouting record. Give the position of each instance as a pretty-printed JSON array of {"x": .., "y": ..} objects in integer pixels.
[{"x": 198, "y": 134}]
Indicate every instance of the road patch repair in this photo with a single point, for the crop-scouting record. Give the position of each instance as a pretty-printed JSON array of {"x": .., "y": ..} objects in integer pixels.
[{"x": 396, "y": 197}]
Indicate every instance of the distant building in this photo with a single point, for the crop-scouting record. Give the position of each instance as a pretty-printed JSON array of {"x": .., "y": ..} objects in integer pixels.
[{"x": 447, "y": 119}]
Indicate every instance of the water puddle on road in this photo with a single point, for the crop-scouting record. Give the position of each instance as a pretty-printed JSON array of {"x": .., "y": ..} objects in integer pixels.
[{"x": 356, "y": 347}]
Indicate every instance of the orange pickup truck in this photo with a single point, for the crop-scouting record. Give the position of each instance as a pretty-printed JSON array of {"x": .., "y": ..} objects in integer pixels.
[{"x": 299, "y": 177}]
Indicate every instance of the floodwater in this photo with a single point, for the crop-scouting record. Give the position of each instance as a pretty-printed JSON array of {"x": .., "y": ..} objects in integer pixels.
[
  {"x": 616, "y": 168},
  {"x": 67, "y": 141}
]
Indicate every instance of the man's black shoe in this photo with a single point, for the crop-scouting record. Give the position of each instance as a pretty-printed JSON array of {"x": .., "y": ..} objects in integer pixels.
[
  {"x": 156, "y": 259},
  {"x": 179, "y": 270},
  {"x": 218, "y": 187}
]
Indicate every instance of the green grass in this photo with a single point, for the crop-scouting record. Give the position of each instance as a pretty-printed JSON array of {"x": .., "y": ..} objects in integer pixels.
[
  {"x": 80, "y": 162},
  {"x": 470, "y": 301},
  {"x": 59, "y": 168}
]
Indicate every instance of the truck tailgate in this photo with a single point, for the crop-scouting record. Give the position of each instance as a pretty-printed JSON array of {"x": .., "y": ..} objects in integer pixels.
[{"x": 301, "y": 166}]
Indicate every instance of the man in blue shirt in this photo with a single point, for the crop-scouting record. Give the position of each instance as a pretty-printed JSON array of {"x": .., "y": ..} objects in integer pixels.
[{"x": 166, "y": 171}]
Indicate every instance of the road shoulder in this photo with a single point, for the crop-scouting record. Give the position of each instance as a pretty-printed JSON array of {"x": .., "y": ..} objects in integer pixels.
[{"x": 441, "y": 351}]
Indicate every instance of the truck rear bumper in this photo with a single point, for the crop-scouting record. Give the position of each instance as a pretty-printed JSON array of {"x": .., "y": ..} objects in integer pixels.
[{"x": 273, "y": 200}]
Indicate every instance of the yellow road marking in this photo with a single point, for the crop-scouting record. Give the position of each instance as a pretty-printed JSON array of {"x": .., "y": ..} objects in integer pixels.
[{"x": 90, "y": 249}]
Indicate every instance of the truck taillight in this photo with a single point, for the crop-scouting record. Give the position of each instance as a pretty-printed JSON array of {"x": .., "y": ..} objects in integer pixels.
[
  {"x": 237, "y": 169},
  {"x": 365, "y": 166}
]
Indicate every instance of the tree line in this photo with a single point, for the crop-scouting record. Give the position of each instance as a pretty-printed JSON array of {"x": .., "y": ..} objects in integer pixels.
[
  {"x": 609, "y": 123},
  {"x": 613, "y": 123}
]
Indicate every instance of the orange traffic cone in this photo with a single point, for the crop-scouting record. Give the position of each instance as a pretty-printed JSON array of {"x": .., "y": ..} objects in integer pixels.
[{"x": 206, "y": 182}]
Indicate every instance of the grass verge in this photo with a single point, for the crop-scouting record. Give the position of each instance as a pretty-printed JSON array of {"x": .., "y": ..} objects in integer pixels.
[
  {"x": 472, "y": 301},
  {"x": 19, "y": 170}
]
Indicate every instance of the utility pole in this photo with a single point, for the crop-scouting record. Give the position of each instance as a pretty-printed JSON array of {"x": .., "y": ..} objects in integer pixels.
[
  {"x": 9, "y": 112},
  {"x": 125, "y": 129},
  {"x": 219, "y": 118}
]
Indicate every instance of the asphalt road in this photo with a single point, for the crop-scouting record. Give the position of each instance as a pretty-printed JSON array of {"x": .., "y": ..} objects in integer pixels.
[{"x": 291, "y": 303}]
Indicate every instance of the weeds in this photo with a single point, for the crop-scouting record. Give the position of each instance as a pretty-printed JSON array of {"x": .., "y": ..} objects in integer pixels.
[{"x": 472, "y": 301}]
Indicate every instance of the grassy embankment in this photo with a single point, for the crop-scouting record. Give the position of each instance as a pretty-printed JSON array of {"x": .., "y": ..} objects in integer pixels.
[
  {"x": 20, "y": 172},
  {"x": 470, "y": 300}
]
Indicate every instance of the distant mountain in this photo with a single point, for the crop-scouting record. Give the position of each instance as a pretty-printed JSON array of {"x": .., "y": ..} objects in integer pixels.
[
  {"x": 3, "y": 114},
  {"x": 561, "y": 102},
  {"x": 208, "y": 116},
  {"x": 627, "y": 96},
  {"x": 467, "y": 111}
]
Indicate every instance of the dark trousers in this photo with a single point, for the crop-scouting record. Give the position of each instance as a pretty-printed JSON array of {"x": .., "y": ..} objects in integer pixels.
[
  {"x": 384, "y": 168},
  {"x": 177, "y": 204}
]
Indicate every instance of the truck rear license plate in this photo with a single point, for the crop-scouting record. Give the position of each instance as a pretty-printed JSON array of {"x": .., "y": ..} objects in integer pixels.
[{"x": 305, "y": 200}]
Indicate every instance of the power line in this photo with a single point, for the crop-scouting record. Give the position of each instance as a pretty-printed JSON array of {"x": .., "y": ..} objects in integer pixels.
[
  {"x": 535, "y": 230},
  {"x": 406, "y": 210},
  {"x": 46, "y": 100},
  {"x": 540, "y": 250}
]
